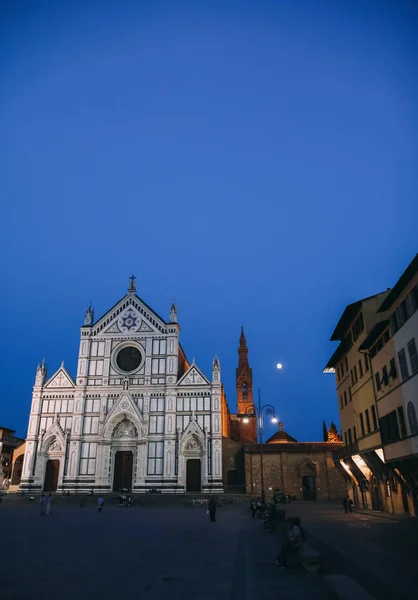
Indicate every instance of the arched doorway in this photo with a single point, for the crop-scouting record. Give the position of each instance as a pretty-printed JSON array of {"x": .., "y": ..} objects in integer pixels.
[
  {"x": 193, "y": 475},
  {"x": 51, "y": 475},
  {"x": 122, "y": 478},
  {"x": 308, "y": 474},
  {"x": 124, "y": 439}
]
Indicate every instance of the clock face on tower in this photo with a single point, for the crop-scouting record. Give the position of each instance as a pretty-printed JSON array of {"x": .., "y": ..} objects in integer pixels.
[{"x": 128, "y": 359}]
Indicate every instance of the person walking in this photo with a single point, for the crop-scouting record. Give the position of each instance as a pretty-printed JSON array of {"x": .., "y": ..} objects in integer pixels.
[
  {"x": 42, "y": 504},
  {"x": 212, "y": 510},
  {"x": 253, "y": 507},
  {"x": 100, "y": 503},
  {"x": 347, "y": 503},
  {"x": 48, "y": 505}
]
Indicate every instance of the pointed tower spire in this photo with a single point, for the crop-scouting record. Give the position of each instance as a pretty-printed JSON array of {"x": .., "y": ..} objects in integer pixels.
[
  {"x": 132, "y": 285},
  {"x": 173, "y": 314},
  {"x": 242, "y": 340}
]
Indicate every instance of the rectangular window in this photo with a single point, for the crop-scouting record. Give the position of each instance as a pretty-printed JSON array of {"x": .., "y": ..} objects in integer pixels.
[
  {"x": 192, "y": 403},
  {"x": 91, "y": 425},
  {"x": 345, "y": 398},
  {"x": 378, "y": 384},
  {"x": 392, "y": 369},
  {"x": 154, "y": 366},
  {"x": 200, "y": 404},
  {"x": 207, "y": 402},
  {"x": 342, "y": 401},
  {"x": 179, "y": 404},
  {"x": 355, "y": 434},
  {"x": 156, "y": 424},
  {"x": 349, "y": 393},
  {"x": 159, "y": 347},
  {"x": 355, "y": 374},
  {"x": 366, "y": 363},
  {"x": 200, "y": 421},
  {"x": 362, "y": 424},
  {"x": 345, "y": 438},
  {"x": 342, "y": 369},
  {"x": 207, "y": 423},
  {"x": 346, "y": 364},
  {"x": 161, "y": 366},
  {"x": 350, "y": 439},
  {"x": 88, "y": 458},
  {"x": 403, "y": 312},
  {"x": 360, "y": 368},
  {"x": 94, "y": 348},
  {"x": 413, "y": 357},
  {"x": 156, "y": 405},
  {"x": 186, "y": 404},
  {"x": 352, "y": 377},
  {"x": 402, "y": 424},
  {"x": 389, "y": 429},
  {"x": 413, "y": 299},
  {"x": 374, "y": 419},
  {"x": 366, "y": 412},
  {"x": 155, "y": 458},
  {"x": 385, "y": 376},
  {"x": 403, "y": 364}
]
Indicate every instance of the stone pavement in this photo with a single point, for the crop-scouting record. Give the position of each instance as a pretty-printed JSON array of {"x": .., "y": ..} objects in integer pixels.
[
  {"x": 380, "y": 553},
  {"x": 142, "y": 552}
]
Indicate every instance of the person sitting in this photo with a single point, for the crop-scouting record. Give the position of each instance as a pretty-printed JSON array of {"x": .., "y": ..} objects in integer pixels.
[{"x": 292, "y": 543}]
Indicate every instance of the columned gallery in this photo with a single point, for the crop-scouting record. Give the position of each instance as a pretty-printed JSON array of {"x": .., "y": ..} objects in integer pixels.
[{"x": 137, "y": 416}]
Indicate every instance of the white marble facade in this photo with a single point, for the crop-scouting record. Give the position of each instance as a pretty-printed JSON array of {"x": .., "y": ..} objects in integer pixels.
[{"x": 137, "y": 416}]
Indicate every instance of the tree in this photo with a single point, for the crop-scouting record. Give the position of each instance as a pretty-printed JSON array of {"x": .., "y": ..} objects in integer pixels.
[
  {"x": 333, "y": 433},
  {"x": 324, "y": 431}
]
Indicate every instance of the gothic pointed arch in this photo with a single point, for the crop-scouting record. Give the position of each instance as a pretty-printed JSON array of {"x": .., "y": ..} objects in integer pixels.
[
  {"x": 123, "y": 409},
  {"x": 53, "y": 435},
  {"x": 193, "y": 434}
]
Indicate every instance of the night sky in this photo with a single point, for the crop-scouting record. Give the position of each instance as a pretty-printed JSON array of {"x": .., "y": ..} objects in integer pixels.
[{"x": 253, "y": 161}]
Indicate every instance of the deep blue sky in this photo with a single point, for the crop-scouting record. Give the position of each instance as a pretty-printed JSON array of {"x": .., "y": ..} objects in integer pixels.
[{"x": 255, "y": 161}]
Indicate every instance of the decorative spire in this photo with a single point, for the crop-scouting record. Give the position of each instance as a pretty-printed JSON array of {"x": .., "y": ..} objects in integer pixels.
[
  {"x": 281, "y": 426},
  {"x": 173, "y": 314},
  {"x": 132, "y": 285},
  {"x": 89, "y": 316},
  {"x": 242, "y": 340},
  {"x": 40, "y": 373},
  {"x": 216, "y": 368},
  {"x": 62, "y": 363}
]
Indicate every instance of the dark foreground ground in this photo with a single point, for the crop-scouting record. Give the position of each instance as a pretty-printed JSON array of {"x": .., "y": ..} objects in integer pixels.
[{"x": 143, "y": 552}]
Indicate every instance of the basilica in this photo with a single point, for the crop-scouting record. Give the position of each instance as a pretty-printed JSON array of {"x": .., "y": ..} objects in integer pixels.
[{"x": 138, "y": 415}]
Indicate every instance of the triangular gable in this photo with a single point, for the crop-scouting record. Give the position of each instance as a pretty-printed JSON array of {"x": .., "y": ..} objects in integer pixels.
[
  {"x": 54, "y": 431},
  {"x": 193, "y": 376},
  {"x": 114, "y": 321},
  {"x": 60, "y": 379},
  {"x": 123, "y": 405},
  {"x": 193, "y": 429}
]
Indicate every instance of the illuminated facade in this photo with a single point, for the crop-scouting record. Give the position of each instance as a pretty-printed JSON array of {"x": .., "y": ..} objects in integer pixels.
[
  {"x": 377, "y": 386},
  {"x": 137, "y": 416}
]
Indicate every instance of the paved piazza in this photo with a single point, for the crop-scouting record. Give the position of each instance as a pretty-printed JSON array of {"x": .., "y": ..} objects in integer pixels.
[{"x": 147, "y": 552}]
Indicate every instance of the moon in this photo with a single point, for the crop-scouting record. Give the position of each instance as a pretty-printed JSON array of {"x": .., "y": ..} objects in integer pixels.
[{"x": 279, "y": 366}]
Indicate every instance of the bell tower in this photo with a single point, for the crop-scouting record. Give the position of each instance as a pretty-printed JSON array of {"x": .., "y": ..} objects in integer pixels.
[{"x": 245, "y": 405}]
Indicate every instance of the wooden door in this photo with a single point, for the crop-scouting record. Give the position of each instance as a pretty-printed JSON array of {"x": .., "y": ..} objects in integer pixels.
[
  {"x": 122, "y": 479},
  {"x": 51, "y": 475},
  {"x": 193, "y": 475},
  {"x": 308, "y": 487}
]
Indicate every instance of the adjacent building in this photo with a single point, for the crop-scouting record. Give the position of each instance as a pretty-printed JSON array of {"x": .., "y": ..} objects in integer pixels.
[
  {"x": 374, "y": 366},
  {"x": 137, "y": 415},
  {"x": 305, "y": 470},
  {"x": 8, "y": 444}
]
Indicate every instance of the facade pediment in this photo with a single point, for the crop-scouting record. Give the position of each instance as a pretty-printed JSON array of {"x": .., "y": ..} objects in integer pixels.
[
  {"x": 129, "y": 315},
  {"x": 192, "y": 377},
  {"x": 60, "y": 379}
]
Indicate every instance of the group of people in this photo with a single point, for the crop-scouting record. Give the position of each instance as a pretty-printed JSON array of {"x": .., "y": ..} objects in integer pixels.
[{"x": 45, "y": 504}]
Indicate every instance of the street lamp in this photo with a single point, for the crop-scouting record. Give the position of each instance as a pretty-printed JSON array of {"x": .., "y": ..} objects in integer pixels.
[{"x": 259, "y": 412}]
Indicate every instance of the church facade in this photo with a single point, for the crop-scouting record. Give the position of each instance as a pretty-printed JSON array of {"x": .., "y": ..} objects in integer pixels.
[{"x": 137, "y": 416}]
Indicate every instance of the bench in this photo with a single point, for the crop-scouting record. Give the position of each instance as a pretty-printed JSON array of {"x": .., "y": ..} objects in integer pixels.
[
  {"x": 341, "y": 587},
  {"x": 310, "y": 558}
]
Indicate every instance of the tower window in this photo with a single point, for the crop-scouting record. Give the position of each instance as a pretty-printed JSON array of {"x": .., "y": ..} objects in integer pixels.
[{"x": 244, "y": 390}]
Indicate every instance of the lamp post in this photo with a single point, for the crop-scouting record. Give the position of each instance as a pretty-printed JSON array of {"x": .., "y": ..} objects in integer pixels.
[{"x": 268, "y": 411}]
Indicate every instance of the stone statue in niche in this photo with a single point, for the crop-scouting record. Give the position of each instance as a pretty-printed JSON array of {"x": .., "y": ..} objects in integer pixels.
[
  {"x": 125, "y": 429},
  {"x": 55, "y": 447},
  {"x": 193, "y": 445}
]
